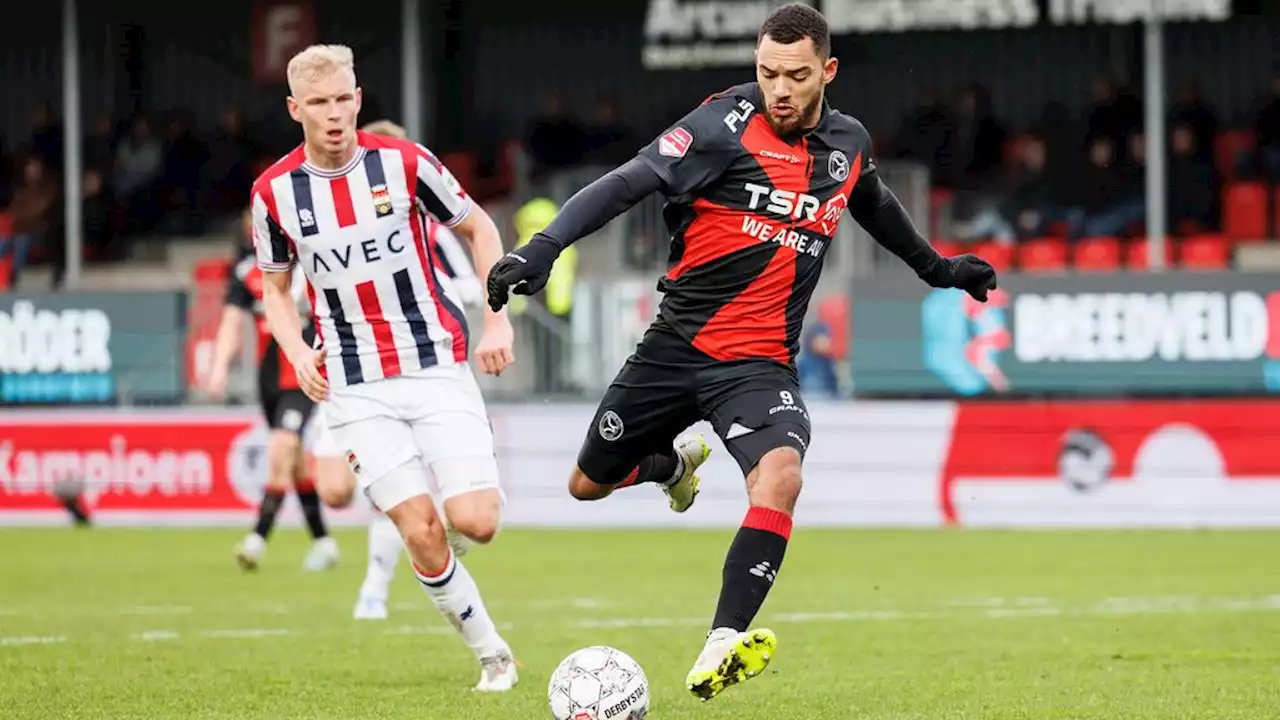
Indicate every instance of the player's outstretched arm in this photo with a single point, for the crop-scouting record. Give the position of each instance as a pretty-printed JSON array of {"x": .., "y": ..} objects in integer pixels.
[
  {"x": 225, "y": 346},
  {"x": 525, "y": 271},
  {"x": 286, "y": 327},
  {"x": 879, "y": 211}
]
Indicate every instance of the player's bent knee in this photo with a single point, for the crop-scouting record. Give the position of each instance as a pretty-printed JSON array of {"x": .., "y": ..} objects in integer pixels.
[
  {"x": 777, "y": 481},
  {"x": 477, "y": 514},
  {"x": 582, "y": 487},
  {"x": 283, "y": 450},
  {"x": 334, "y": 482},
  {"x": 420, "y": 528}
]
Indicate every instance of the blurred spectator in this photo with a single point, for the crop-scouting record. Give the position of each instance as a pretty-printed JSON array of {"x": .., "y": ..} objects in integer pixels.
[
  {"x": 184, "y": 160},
  {"x": 977, "y": 140},
  {"x": 1193, "y": 185},
  {"x": 100, "y": 145},
  {"x": 1266, "y": 126},
  {"x": 611, "y": 141},
  {"x": 1035, "y": 202},
  {"x": 816, "y": 364},
  {"x": 46, "y": 136},
  {"x": 555, "y": 140},
  {"x": 32, "y": 210},
  {"x": 1114, "y": 114},
  {"x": 924, "y": 136},
  {"x": 139, "y": 161},
  {"x": 229, "y": 171},
  {"x": 98, "y": 230},
  {"x": 1111, "y": 199},
  {"x": 1192, "y": 111}
]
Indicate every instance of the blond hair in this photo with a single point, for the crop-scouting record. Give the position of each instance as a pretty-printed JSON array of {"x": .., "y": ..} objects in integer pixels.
[
  {"x": 385, "y": 127},
  {"x": 317, "y": 63}
]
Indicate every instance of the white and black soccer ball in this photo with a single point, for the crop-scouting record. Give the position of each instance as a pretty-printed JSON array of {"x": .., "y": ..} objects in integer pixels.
[
  {"x": 1085, "y": 460},
  {"x": 598, "y": 683}
]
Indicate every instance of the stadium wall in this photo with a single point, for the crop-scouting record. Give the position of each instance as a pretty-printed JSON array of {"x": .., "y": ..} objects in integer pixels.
[{"x": 1127, "y": 464}]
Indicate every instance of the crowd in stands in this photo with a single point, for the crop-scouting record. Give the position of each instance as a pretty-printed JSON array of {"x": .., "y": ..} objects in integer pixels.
[{"x": 1071, "y": 178}]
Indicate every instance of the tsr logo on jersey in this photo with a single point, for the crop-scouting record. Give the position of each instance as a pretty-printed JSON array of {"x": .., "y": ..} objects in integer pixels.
[{"x": 784, "y": 202}]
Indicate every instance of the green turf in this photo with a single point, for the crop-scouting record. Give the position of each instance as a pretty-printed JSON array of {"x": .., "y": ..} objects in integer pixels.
[{"x": 901, "y": 625}]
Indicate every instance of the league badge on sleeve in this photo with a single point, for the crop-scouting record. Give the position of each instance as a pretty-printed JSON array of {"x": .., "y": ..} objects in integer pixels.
[{"x": 675, "y": 143}]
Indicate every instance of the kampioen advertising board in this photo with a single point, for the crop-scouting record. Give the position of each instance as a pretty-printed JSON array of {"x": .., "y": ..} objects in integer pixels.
[{"x": 1100, "y": 335}]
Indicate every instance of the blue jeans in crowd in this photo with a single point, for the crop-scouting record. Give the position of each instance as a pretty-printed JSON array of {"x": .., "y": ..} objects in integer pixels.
[
  {"x": 1112, "y": 221},
  {"x": 20, "y": 245}
]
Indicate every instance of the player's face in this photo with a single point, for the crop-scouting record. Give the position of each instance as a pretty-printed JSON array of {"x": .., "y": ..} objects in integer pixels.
[
  {"x": 792, "y": 79},
  {"x": 327, "y": 109}
]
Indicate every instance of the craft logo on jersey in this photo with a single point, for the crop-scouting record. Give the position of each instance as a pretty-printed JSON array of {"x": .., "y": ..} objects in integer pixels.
[
  {"x": 963, "y": 339},
  {"x": 381, "y": 199},
  {"x": 838, "y": 166},
  {"x": 675, "y": 143}
]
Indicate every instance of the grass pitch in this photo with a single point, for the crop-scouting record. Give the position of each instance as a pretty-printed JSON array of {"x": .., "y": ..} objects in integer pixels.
[{"x": 871, "y": 625}]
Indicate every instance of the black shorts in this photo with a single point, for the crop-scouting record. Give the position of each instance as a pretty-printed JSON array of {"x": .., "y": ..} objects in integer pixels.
[
  {"x": 287, "y": 410},
  {"x": 668, "y": 385}
]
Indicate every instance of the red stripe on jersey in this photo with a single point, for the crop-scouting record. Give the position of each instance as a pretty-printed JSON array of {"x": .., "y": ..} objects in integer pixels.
[
  {"x": 754, "y": 324},
  {"x": 450, "y": 322},
  {"x": 382, "y": 337},
  {"x": 783, "y": 174},
  {"x": 342, "y": 201},
  {"x": 416, "y": 221},
  {"x": 715, "y": 232}
]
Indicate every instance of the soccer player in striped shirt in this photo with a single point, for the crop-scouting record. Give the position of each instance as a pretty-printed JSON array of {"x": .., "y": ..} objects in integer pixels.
[{"x": 350, "y": 211}]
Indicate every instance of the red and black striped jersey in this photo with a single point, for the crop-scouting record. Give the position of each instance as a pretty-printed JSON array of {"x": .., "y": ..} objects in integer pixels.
[{"x": 751, "y": 217}]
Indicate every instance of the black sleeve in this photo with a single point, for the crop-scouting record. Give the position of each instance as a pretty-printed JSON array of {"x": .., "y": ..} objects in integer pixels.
[
  {"x": 879, "y": 211},
  {"x": 238, "y": 294},
  {"x": 698, "y": 148},
  {"x": 592, "y": 207}
]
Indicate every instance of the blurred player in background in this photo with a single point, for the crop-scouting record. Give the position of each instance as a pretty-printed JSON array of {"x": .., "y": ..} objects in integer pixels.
[
  {"x": 758, "y": 179},
  {"x": 286, "y": 407},
  {"x": 347, "y": 211},
  {"x": 337, "y": 490}
]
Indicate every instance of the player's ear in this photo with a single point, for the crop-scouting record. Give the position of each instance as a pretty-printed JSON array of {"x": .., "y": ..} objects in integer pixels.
[
  {"x": 829, "y": 70},
  {"x": 293, "y": 108},
  {"x": 359, "y": 99}
]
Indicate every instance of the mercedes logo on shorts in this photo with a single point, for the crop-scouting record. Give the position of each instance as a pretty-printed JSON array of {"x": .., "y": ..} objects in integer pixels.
[
  {"x": 610, "y": 426},
  {"x": 838, "y": 166}
]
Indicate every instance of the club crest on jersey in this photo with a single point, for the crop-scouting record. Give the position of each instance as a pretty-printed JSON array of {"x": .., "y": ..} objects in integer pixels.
[
  {"x": 675, "y": 143},
  {"x": 838, "y": 166},
  {"x": 381, "y": 200}
]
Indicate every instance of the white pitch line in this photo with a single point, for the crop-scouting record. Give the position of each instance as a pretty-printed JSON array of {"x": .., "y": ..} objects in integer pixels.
[
  {"x": 32, "y": 640},
  {"x": 157, "y": 610},
  {"x": 246, "y": 633},
  {"x": 156, "y": 635}
]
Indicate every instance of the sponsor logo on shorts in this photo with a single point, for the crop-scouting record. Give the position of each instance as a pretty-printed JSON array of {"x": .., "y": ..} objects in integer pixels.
[
  {"x": 611, "y": 427},
  {"x": 353, "y": 462},
  {"x": 796, "y": 436},
  {"x": 291, "y": 419}
]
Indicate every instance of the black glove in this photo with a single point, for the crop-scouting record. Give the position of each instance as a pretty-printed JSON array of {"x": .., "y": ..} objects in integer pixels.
[
  {"x": 967, "y": 272},
  {"x": 523, "y": 271}
]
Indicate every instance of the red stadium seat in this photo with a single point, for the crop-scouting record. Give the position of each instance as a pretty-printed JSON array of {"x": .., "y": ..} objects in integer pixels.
[
  {"x": 999, "y": 255},
  {"x": 1204, "y": 252},
  {"x": 1135, "y": 254},
  {"x": 1096, "y": 254},
  {"x": 1244, "y": 211},
  {"x": 833, "y": 310},
  {"x": 5, "y": 263},
  {"x": 941, "y": 203},
  {"x": 6, "y": 224},
  {"x": 1227, "y": 148},
  {"x": 211, "y": 270},
  {"x": 463, "y": 167},
  {"x": 1044, "y": 254}
]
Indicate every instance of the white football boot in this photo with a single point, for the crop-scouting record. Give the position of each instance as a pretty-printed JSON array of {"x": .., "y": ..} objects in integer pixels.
[
  {"x": 250, "y": 550},
  {"x": 683, "y": 488}
]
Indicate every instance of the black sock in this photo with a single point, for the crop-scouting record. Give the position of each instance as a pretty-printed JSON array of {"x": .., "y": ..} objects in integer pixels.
[
  {"x": 310, "y": 502},
  {"x": 750, "y": 567},
  {"x": 657, "y": 468},
  {"x": 271, "y": 502}
]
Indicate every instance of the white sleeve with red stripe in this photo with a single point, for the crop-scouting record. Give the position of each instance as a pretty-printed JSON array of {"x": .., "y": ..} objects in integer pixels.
[
  {"x": 274, "y": 249},
  {"x": 440, "y": 192}
]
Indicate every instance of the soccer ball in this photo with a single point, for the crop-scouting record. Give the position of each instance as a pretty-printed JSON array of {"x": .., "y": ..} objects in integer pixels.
[{"x": 598, "y": 683}]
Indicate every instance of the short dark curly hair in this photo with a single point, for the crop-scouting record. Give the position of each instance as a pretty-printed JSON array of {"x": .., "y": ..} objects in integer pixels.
[{"x": 794, "y": 22}]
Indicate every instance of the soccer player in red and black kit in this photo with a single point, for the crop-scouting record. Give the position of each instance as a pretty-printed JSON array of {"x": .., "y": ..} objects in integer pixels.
[
  {"x": 757, "y": 179},
  {"x": 287, "y": 410}
]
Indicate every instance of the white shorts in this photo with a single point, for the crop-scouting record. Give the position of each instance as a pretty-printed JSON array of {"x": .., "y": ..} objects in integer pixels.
[
  {"x": 320, "y": 437},
  {"x": 436, "y": 416}
]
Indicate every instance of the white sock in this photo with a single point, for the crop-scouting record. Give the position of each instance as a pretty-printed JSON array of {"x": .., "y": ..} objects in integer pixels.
[
  {"x": 456, "y": 596},
  {"x": 385, "y": 548}
]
